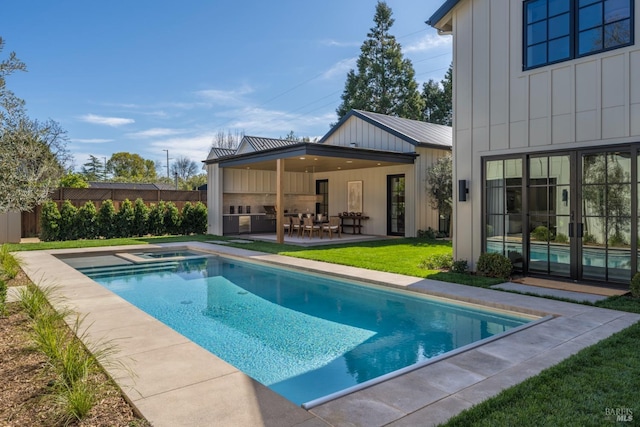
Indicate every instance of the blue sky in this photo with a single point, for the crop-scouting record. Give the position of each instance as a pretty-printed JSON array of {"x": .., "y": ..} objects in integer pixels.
[{"x": 145, "y": 76}]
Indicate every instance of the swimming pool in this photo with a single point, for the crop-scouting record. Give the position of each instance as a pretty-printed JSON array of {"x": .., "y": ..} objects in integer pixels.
[{"x": 302, "y": 335}]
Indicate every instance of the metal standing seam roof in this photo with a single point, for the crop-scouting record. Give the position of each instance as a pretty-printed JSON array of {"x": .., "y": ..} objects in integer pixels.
[
  {"x": 259, "y": 143},
  {"x": 412, "y": 131},
  {"x": 217, "y": 152}
]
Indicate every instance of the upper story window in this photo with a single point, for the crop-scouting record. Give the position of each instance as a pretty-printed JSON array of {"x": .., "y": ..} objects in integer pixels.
[{"x": 558, "y": 30}]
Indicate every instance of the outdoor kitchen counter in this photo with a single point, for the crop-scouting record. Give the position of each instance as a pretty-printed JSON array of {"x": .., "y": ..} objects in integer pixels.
[{"x": 259, "y": 223}]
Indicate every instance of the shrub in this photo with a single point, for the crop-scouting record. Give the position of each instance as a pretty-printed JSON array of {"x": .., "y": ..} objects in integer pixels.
[
  {"x": 140, "y": 218},
  {"x": 200, "y": 218},
  {"x": 124, "y": 219},
  {"x": 187, "y": 224},
  {"x": 460, "y": 266},
  {"x": 68, "y": 221},
  {"x": 541, "y": 233},
  {"x": 106, "y": 217},
  {"x": 9, "y": 264},
  {"x": 561, "y": 238},
  {"x": 155, "y": 223},
  {"x": 172, "y": 218},
  {"x": 494, "y": 265},
  {"x": 635, "y": 286},
  {"x": 88, "y": 221},
  {"x": 49, "y": 222},
  {"x": 618, "y": 239},
  {"x": 437, "y": 262},
  {"x": 589, "y": 239},
  {"x": 427, "y": 234}
]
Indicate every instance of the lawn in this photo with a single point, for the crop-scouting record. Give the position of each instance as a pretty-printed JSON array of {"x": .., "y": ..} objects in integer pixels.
[
  {"x": 579, "y": 391},
  {"x": 401, "y": 256}
]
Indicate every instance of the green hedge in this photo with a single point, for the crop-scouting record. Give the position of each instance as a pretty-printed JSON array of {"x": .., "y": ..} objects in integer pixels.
[{"x": 133, "y": 219}]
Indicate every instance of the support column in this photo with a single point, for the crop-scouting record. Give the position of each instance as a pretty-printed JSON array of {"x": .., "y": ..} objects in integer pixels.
[{"x": 280, "y": 200}]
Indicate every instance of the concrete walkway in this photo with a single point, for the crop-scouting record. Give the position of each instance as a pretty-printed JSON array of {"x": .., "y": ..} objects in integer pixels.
[
  {"x": 548, "y": 292},
  {"x": 179, "y": 383}
]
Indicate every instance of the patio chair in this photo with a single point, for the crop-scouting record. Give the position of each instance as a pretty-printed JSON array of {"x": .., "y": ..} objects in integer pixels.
[
  {"x": 310, "y": 227},
  {"x": 287, "y": 225},
  {"x": 333, "y": 226},
  {"x": 295, "y": 227}
]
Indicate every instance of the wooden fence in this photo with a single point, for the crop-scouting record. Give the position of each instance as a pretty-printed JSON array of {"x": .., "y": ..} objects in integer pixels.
[{"x": 79, "y": 196}]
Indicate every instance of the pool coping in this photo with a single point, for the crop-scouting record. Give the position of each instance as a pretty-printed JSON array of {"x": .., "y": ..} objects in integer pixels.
[{"x": 173, "y": 389}]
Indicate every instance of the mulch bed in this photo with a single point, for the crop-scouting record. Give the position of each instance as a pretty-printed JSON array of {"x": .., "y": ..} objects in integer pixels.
[{"x": 25, "y": 394}]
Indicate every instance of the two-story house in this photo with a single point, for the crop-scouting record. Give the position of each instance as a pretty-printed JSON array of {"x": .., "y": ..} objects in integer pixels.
[{"x": 547, "y": 134}]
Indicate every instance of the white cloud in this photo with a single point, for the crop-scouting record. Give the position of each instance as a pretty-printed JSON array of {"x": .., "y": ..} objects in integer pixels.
[
  {"x": 195, "y": 147},
  {"x": 225, "y": 96},
  {"x": 108, "y": 121},
  {"x": 336, "y": 43},
  {"x": 341, "y": 68},
  {"x": 276, "y": 124},
  {"x": 155, "y": 133},
  {"x": 91, "y": 140},
  {"x": 427, "y": 43}
]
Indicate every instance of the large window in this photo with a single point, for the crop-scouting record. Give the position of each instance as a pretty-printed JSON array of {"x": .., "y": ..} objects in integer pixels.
[{"x": 558, "y": 30}]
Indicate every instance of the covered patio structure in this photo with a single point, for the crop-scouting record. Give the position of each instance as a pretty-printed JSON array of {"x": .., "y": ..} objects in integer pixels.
[{"x": 368, "y": 164}]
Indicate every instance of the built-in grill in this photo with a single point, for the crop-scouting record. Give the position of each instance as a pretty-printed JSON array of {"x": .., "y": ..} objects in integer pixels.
[{"x": 270, "y": 211}]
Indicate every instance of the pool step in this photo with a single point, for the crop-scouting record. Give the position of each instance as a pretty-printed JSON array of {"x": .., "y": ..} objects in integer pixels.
[{"x": 129, "y": 269}]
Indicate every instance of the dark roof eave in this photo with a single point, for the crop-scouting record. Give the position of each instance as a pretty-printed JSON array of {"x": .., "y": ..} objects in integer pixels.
[
  {"x": 441, "y": 12},
  {"x": 314, "y": 149},
  {"x": 435, "y": 146}
]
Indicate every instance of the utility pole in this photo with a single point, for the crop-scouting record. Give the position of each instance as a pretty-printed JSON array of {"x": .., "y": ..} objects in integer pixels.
[{"x": 167, "y": 162}]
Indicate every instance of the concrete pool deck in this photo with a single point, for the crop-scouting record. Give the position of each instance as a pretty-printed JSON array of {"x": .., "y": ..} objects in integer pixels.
[{"x": 179, "y": 383}]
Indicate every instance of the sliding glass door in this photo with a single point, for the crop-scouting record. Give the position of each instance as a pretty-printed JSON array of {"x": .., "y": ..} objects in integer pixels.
[{"x": 571, "y": 215}]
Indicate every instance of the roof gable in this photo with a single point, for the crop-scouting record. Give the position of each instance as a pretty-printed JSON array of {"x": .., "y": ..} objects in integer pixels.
[
  {"x": 217, "y": 152},
  {"x": 414, "y": 132}
]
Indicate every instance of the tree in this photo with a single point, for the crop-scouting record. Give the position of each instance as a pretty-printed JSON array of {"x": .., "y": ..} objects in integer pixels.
[
  {"x": 195, "y": 181},
  {"x": 140, "y": 218},
  {"x": 291, "y": 136},
  {"x": 49, "y": 221},
  {"x": 94, "y": 169},
  {"x": 106, "y": 217},
  {"x": 440, "y": 186},
  {"x": 227, "y": 139},
  {"x": 184, "y": 167},
  {"x": 131, "y": 167},
  {"x": 385, "y": 81},
  {"x": 438, "y": 106},
  {"x": 73, "y": 180},
  {"x": 68, "y": 221},
  {"x": 32, "y": 154},
  {"x": 88, "y": 221}
]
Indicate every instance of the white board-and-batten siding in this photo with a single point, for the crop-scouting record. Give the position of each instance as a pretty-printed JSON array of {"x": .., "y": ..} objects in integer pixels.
[
  {"x": 366, "y": 135},
  {"x": 502, "y": 109}
]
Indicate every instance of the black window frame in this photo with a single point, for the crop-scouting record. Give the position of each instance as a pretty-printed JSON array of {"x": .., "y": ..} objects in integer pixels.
[{"x": 574, "y": 32}]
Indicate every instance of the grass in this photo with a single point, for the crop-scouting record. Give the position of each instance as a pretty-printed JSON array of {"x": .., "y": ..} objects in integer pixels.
[
  {"x": 579, "y": 391},
  {"x": 401, "y": 256}
]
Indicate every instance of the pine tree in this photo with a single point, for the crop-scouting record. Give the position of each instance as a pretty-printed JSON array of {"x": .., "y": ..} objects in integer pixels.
[
  {"x": 385, "y": 81},
  {"x": 438, "y": 106}
]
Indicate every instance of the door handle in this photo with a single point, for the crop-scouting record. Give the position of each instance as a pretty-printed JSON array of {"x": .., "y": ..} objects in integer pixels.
[
  {"x": 580, "y": 230},
  {"x": 570, "y": 229}
]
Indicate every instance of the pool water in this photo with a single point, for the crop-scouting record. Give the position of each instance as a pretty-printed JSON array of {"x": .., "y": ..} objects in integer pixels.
[{"x": 304, "y": 336}]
